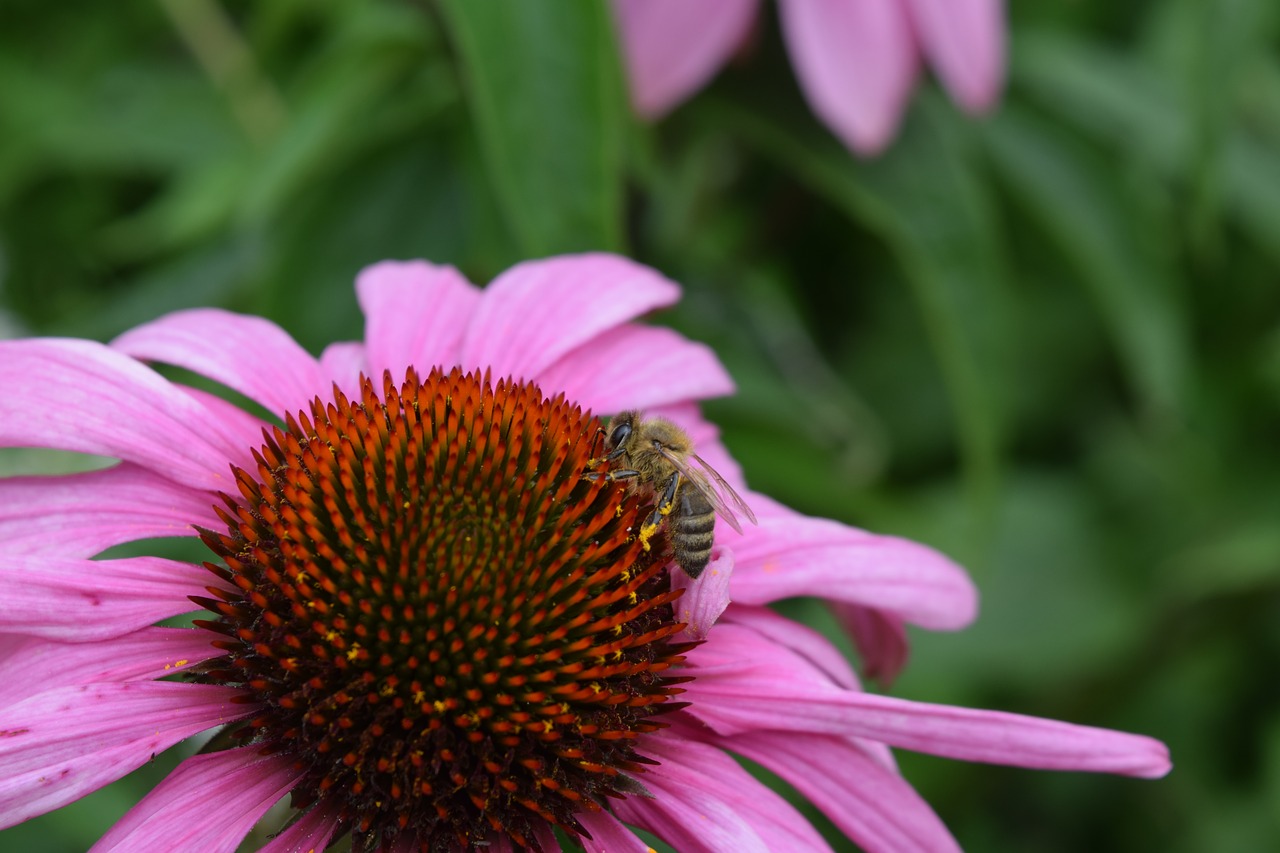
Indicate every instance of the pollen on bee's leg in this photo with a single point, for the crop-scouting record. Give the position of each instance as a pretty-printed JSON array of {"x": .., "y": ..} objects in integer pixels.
[
  {"x": 392, "y": 571},
  {"x": 648, "y": 530}
]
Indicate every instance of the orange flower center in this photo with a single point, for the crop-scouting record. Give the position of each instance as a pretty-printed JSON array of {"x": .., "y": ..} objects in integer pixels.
[{"x": 454, "y": 634}]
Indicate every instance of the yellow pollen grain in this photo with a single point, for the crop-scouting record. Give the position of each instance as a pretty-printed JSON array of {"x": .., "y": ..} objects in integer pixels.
[
  {"x": 419, "y": 697},
  {"x": 439, "y": 706},
  {"x": 353, "y": 652}
]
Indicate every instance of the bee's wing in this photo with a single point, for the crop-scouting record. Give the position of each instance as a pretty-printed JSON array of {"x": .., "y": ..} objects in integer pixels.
[{"x": 713, "y": 487}]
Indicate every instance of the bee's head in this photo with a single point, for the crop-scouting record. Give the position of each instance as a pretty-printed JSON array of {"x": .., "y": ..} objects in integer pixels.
[{"x": 620, "y": 428}]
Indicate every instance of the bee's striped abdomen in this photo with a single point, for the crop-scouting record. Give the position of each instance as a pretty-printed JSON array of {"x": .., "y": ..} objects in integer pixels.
[{"x": 692, "y": 529}]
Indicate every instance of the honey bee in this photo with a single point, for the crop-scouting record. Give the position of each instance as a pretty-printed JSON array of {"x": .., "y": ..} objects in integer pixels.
[{"x": 656, "y": 454}]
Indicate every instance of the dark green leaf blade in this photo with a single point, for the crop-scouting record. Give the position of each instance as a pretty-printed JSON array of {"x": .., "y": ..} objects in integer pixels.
[{"x": 545, "y": 87}]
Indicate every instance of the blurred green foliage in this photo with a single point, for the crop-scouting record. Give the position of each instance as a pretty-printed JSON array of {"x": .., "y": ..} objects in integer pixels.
[{"x": 1046, "y": 342}]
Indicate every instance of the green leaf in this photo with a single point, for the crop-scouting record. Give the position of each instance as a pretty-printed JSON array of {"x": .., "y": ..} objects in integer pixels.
[
  {"x": 1119, "y": 99},
  {"x": 922, "y": 199},
  {"x": 546, "y": 94},
  {"x": 1118, "y": 250}
]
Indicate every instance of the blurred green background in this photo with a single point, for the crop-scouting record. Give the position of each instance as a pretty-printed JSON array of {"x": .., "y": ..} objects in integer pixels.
[{"x": 1047, "y": 342}]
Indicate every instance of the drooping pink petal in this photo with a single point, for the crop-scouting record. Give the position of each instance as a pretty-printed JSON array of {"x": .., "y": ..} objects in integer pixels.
[
  {"x": 415, "y": 314},
  {"x": 342, "y": 363},
  {"x": 964, "y": 40},
  {"x": 308, "y": 834},
  {"x": 673, "y": 47},
  {"x": 62, "y": 744},
  {"x": 704, "y": 599},
  {"x": 82, "y": 396},
  {"x": 608, "y": 835},
  {"x": 703, "y": 800},
  {"x": 816, "y": 650},
  {"x": 636, "y": 367},
  {"x": 209, "y": 803},
  {"x": 881, "y": 640},
  {"x": 245, "y": 428},
  {"x": 74, "y": 600},
  {"x": 791, "y": 555},
  {"x": 746, "y": 683},
  {"x": 856, "y": 61},
  {"x": 246, "y": 354},
  {"x": 870, "y": 803},
  {"x": 79, "y": 515},
  {"x": 799, "y": 638},
  {"x": 537, "y": 311},
  {"x": 544, "y": 835},
  {"x": 33, "y": 665}
]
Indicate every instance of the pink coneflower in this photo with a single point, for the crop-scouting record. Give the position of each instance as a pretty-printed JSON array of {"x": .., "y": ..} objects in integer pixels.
[
  {"x": 420, "y": 621},
  {"x": 857, "y": 60}
]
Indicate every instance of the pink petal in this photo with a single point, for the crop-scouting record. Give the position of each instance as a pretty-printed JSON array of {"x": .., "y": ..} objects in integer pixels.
[
  {"x": 209, "y": 803},
  {"x": 342, "y": 364},
  {"x": 234, "y": 421},
  {"x": 673, "y": 47},
  {"x": 415, "y": 314},
  {"x": 745, "y": 683},
  {"x": 250, "y": 355},
  {"x": 703, "y": 800},
  {"x": 791, "y": 555},
  {"x": 79, "y": 515},
  {"x": 964, "y": 40},
  {"x": 636, "y": 367},
  {"x": 872, "y": 805},
  {"x": 62, "y": 744},
  {"x": 79, "y": 600},
  {"x": 544, "y": 835},
  {"x": 856, "y": 62},
  {"x": 817, "y": 652},
  {"x": 881, "y": 640},
  {"x": 82, "y": 396},
  {"x": 801, "y": 639},
  {"x": 309, "y": 834},
  {"x": 537, "y": 311},
  {"x": 608, "y": 835},
  {"x": 704, "y": 599},
  {"x": 32, "y": 665}
]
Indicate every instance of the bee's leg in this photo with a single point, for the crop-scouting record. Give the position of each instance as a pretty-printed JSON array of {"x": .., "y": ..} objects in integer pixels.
[
  {"x": 611, "y": 476},
  {"x": 666, "y": 505},
  {"x": 594, "y": 461},
  {"x": 608, "y": 457}
]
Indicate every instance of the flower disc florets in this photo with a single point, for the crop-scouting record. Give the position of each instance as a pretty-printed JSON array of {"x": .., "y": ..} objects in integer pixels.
[{"x": 454, "y": 633}]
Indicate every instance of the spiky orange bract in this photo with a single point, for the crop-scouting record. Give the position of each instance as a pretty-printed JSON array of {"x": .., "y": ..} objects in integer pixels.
[{"x": 454, "y": 632}]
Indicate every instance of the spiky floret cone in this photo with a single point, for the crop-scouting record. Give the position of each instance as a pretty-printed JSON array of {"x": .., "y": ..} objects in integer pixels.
[{"x": 453, "y": 632}]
